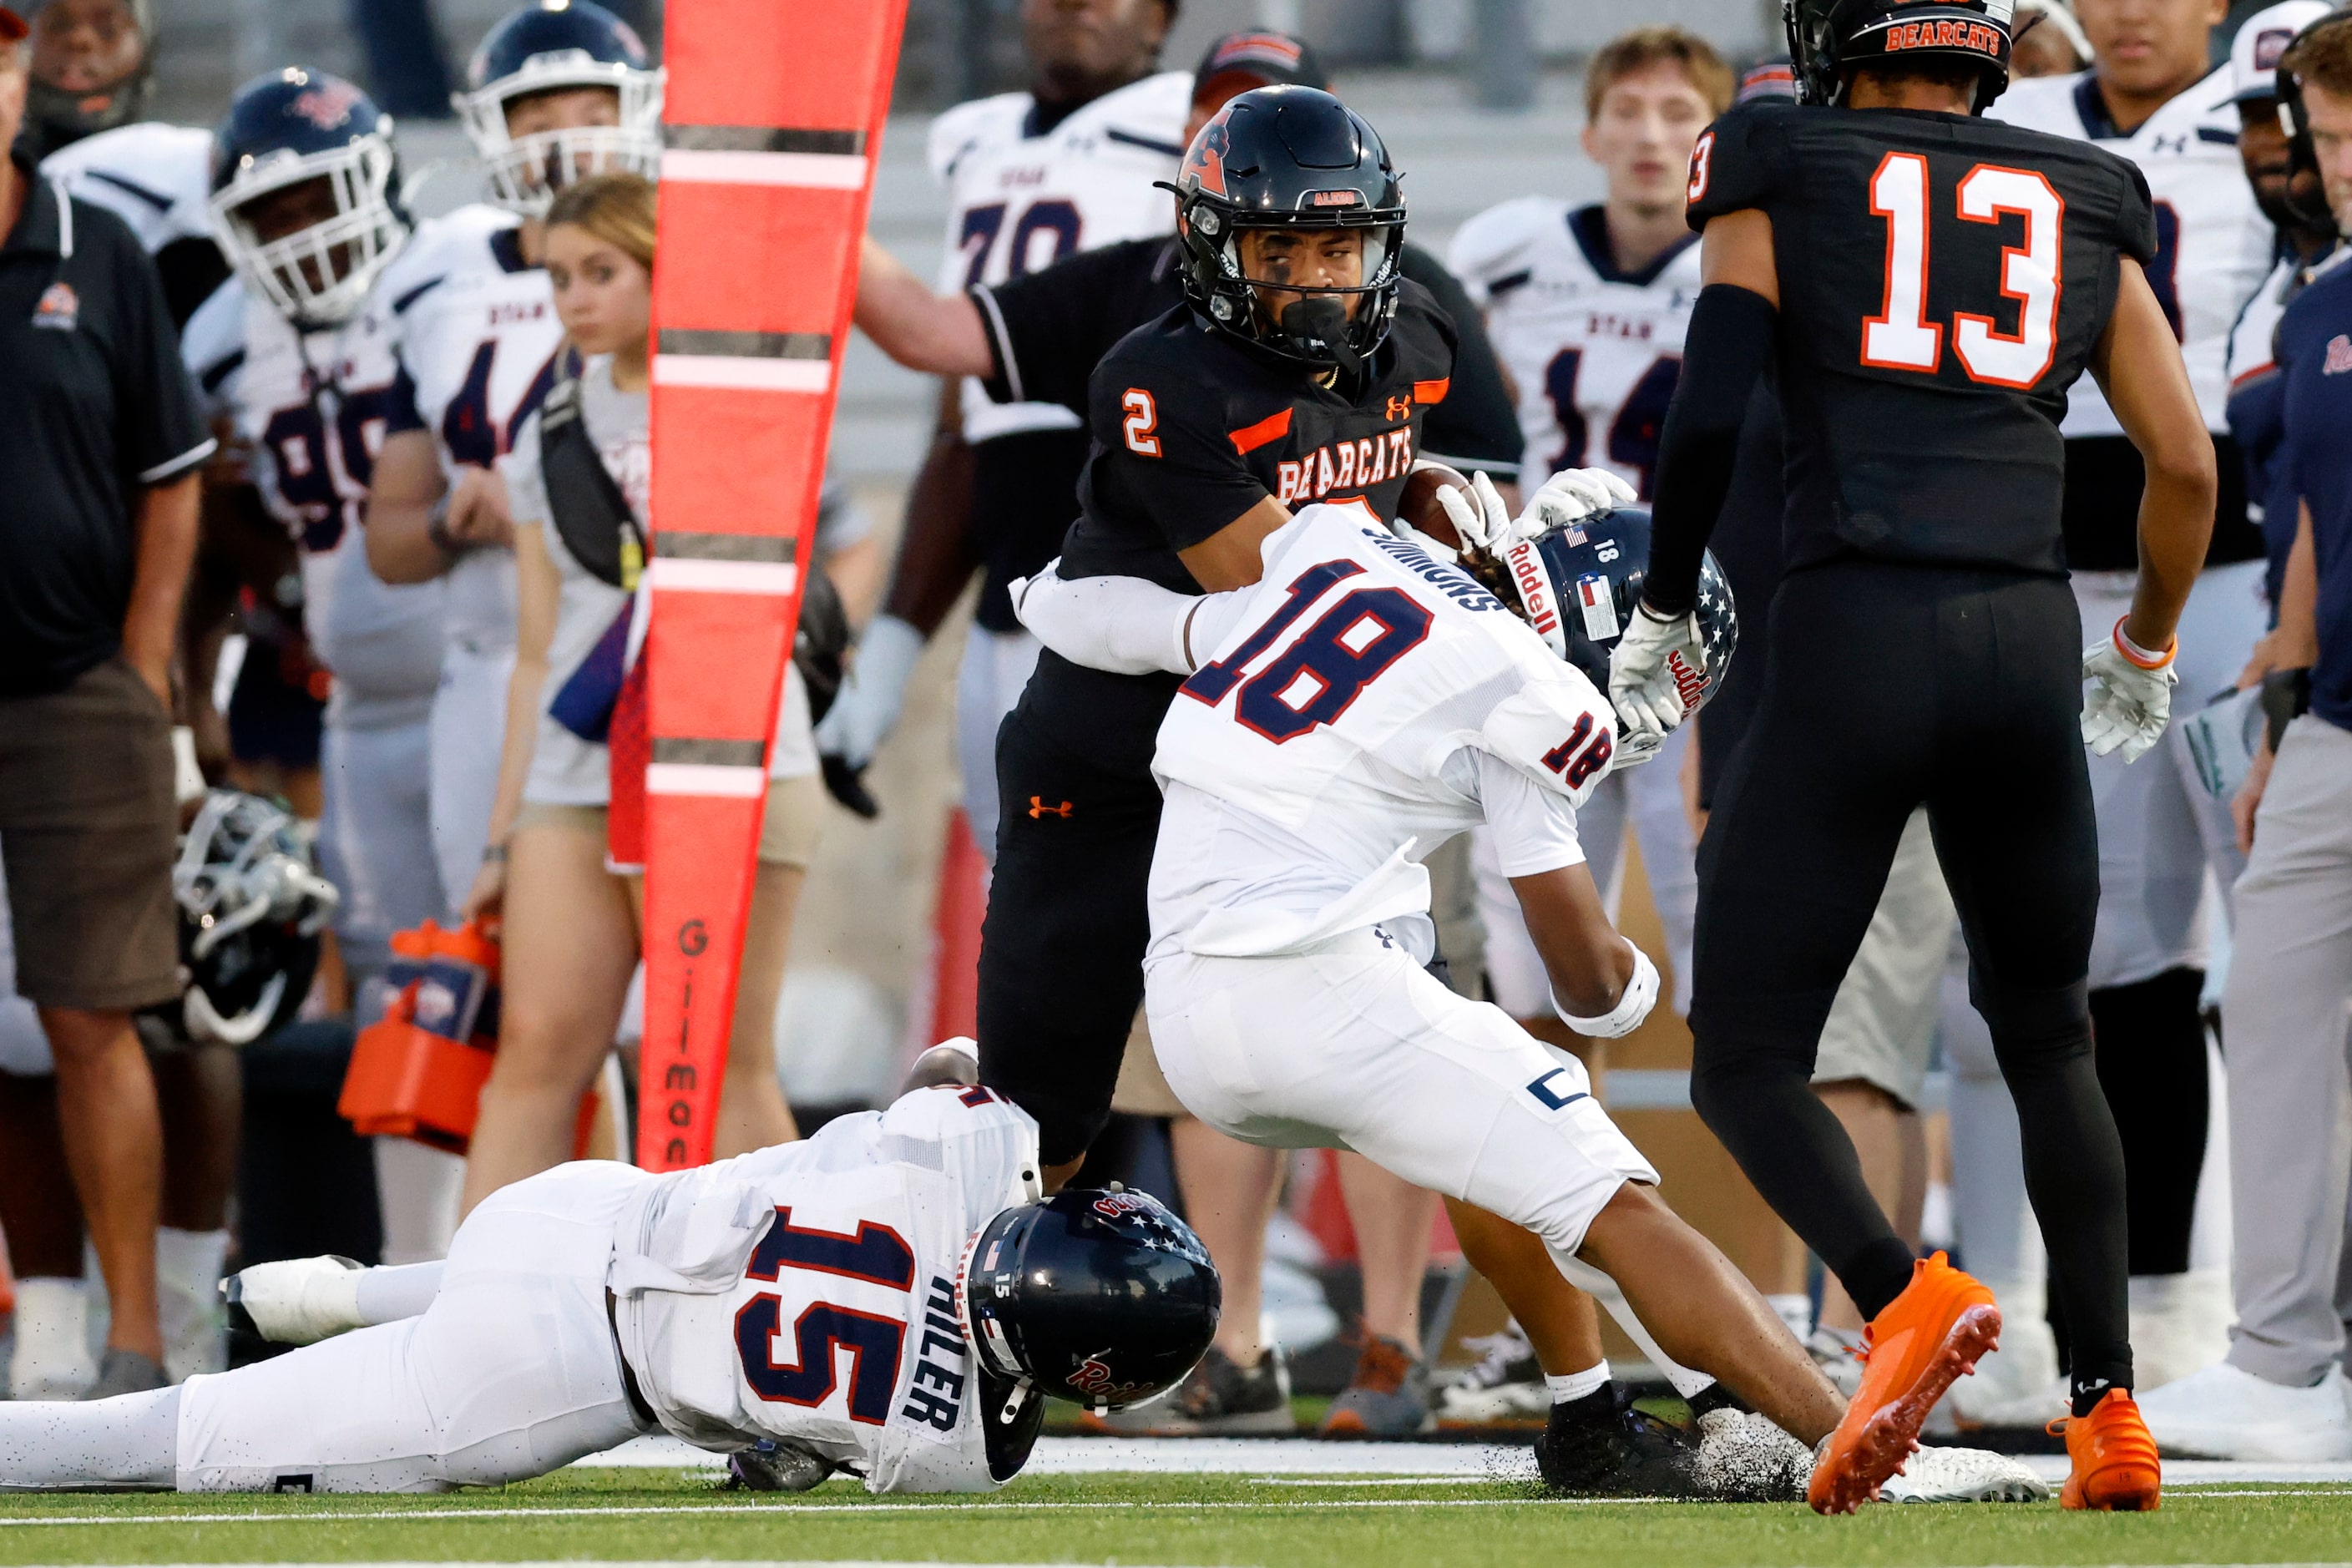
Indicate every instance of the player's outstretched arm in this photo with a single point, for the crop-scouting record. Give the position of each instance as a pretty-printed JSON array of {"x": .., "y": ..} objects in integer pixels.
[
  {"x": 1601, "y": 984},
  {"x": 2139, "y": 366},
  {"x": 920, "y": 329}
]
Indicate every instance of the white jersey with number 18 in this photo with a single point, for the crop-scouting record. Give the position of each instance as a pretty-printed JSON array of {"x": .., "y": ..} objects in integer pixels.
[{"x": 1364, "y": 703}]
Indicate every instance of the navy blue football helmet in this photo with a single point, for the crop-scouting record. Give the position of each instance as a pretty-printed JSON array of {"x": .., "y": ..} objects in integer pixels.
[
  {"x": 556, "y": 45},
  {"x": 1104, "y": 1298},
  {"x": 291, "y": 128},
  {"x": 1577, "y": 587},
  {"x": 1290, "y": 157}
]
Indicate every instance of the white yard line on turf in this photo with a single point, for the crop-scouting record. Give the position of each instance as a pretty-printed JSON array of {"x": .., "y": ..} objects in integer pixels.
[
  {"x": 1168, "y": 1456},
  {"x": 794, "y": 1511}
]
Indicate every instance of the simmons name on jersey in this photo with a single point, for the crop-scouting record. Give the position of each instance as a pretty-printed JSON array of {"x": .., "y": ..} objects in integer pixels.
[
  {"x": 1365, "y": 703},
  {"x": 1594, "y": 351},
  {"x": 475, "y": 329},
  {"x": 1024, "y": 192},
  {"x": 2212, "y": 243},
  {"x": 807, "y": 1293}
]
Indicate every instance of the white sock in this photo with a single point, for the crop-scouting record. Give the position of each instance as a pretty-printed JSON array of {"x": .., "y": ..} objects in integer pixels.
[
  {"x": 52, "y": 1359},
  {"x": 188, "y": 1302},
  {"x": 395, "y": 1291},
  {"x": 131, "y": 1440},
  {"x": 1571, "y": 1386}
]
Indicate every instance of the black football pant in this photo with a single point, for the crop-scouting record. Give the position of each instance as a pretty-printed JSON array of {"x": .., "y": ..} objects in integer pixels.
[
  {"x": 1887, "y": 688},
  {"x": 1061, "y": 953}
]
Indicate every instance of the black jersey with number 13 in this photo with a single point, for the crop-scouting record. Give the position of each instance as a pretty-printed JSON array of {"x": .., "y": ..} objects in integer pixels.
[{"x": 1943, "y": 281}]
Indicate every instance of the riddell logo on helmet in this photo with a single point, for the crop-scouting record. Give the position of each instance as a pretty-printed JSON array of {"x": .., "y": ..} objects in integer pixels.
[
  {"x": 1535, "y": 588},
  {"x": 1110, "y": 1206},
  {"x": 1688, "y": 682},
  {"x": 1974, "y": 36}
]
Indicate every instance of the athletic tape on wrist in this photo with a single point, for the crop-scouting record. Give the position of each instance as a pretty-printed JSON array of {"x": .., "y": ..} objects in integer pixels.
[
  {"x": 2140, "y": 655},
  {"x": 1641, "y": 994}
]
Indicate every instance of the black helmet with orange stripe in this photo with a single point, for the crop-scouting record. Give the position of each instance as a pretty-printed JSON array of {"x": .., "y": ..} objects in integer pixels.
[
  {"x": 1829, "y": 38},
  {"x": 1292, "y": 159}
]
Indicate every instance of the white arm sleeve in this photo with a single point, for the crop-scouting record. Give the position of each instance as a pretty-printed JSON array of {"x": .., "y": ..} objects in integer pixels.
[{"x": 1122, "y": 625}]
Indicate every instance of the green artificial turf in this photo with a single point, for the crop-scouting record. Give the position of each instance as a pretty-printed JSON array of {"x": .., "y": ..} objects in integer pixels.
[{"x": 647, "y": 1515}]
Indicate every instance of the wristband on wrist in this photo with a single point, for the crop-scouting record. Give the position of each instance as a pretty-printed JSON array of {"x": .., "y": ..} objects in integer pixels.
[
  {"x": 2140, "y": 655},
  {"x": 1641, "y": 992}
]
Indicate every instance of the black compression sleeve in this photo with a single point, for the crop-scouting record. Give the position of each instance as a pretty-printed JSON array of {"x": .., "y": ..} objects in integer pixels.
[{"x": 1724, "y": 357}]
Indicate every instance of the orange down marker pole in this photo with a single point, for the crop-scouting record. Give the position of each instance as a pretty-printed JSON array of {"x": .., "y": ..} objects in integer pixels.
[{"x": 773, "y": 117}]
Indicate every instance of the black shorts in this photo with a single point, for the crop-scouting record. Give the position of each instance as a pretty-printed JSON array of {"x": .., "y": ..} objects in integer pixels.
[{"x": 1060, "y": 956}]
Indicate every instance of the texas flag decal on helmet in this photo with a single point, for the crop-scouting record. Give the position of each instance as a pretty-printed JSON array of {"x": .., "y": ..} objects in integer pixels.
[{"x": 1598, "y": 606}]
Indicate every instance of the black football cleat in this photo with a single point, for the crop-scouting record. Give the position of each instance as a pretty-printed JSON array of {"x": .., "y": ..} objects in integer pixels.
[
  {"x": 1599, "y": 1446},
  {"x": 769, "y": 1465}
]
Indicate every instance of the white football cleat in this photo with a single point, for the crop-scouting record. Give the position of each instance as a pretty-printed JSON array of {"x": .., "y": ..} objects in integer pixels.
[
  {"x": 1505, "y": 1384},
  {"x": 298, "y": 1301},
  {"x": 2180, "y": 1325},
  {"x": 1743, "y": 1457},
  {"x": 1963, "y": 1475},
  {"x": 2226, "y": 1412}
]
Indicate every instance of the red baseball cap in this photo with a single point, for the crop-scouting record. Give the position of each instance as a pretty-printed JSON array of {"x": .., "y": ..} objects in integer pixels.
[{"x": 12, "y": 26}]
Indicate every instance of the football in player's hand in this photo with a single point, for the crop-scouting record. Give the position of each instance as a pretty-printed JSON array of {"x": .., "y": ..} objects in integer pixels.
[{"x": 1418, "y": 504}]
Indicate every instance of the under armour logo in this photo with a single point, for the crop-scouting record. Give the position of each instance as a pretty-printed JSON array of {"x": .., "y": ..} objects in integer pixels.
[
  {"x": 1037, "y": 808},
  {"x": 2163, "y": 144},
  {"x": 1399, "y": 408}
]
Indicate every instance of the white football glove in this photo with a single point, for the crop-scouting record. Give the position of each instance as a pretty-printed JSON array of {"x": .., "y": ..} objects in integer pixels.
[
  {"x": 1479, "y": 516},
  {"x": 1643, "y": 669},
  {"x": 2129, "y": 703},
  {"x": 872, "y": 693},
  {"x": 1569, "y": 496}
]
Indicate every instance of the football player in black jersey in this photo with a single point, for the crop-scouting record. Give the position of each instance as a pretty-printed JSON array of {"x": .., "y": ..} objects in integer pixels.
[{"x": 1922, "y": 286}]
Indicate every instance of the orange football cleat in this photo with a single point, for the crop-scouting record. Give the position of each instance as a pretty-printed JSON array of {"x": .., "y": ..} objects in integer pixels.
[
  {"x": 1931, "y": 1334},
  {"x": 2116, "y": 1467}
]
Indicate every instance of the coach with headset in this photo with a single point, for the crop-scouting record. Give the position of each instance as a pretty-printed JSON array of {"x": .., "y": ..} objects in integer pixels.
[{"x": 104, "y": 443}]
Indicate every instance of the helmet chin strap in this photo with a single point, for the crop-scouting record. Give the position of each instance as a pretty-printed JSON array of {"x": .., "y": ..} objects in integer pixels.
[{"x": 1319, "y": 318}]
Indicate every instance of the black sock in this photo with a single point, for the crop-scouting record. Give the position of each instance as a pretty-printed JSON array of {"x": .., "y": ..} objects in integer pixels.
[{"x": 2150, "y": 1046}]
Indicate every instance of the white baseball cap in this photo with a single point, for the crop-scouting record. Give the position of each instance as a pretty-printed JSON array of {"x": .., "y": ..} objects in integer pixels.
[{"x": 2261, "y": 38}]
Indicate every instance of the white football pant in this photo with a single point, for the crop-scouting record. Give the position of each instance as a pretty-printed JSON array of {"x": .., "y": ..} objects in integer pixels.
[
  {"x": 469, "y": 725},
  {"x": 375, "y": 834},
  {"x": 511, "y": 1373},
  {"x": 1355, "y": 1046}
]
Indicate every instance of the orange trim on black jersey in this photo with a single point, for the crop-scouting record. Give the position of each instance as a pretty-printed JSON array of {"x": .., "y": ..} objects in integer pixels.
[
  {"x": 1250, "y": 437},
  {"x": 1431, "y": 391}
]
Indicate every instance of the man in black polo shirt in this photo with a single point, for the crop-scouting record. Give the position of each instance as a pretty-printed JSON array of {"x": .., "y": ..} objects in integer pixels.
[{"x": 99, "y": 527}]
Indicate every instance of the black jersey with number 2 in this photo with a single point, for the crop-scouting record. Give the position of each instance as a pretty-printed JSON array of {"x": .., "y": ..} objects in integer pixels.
[
  {"x": 1943, "y": 281},
  {"x": 1191, "y": 429}
]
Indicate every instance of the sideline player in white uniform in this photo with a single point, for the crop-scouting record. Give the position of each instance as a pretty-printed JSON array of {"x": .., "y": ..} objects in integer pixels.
[
  {"x": 890, "y": 1297},
  {"x": 2150, "y": 98},
  {"x": 1587, "y": 307},
  {"x": 306, "y": 209},
  {"x": 1031, "y": 177},
  {"x": 556, "y": 90}
]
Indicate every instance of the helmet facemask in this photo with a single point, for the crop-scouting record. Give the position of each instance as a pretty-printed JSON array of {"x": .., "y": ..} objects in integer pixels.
[
  {"x": 319, "y": 274},
  {"x": 1317, "y": 327},
  {"x": 525, "y": 172}
]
